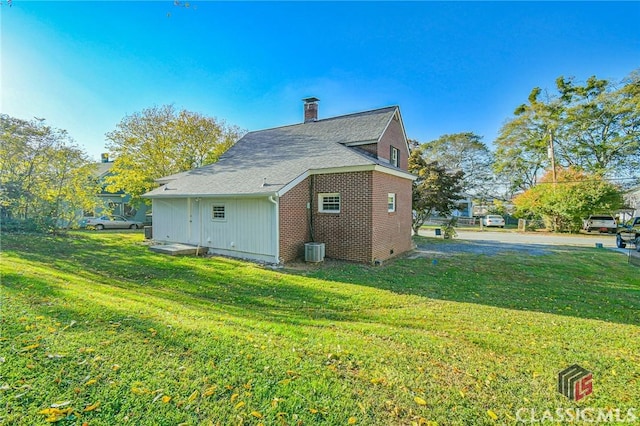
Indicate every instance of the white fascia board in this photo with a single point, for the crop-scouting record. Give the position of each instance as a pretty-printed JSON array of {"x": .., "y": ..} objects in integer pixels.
[
  {"x": 364, "y": 168},
  {"x": 395, "y": 172},
  {"x": 292, "y": 184},
  {"x": 252, "y": 195},
  {"x": 348, "y": 169},
  {"x": 404, "y": 133}
]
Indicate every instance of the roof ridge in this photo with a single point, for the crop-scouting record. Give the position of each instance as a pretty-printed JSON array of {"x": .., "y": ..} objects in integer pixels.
[
  {"x": 352, "y": 114},
  {"x": 357, "y": 113}
]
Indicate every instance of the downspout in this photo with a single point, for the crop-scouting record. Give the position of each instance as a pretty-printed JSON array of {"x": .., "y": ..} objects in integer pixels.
[
  {"x": 311, "y": 182},
  {"x": 277, "y": 239},
  {"x": 200, "y": 226},
  {"x": 200, "y": 210}
]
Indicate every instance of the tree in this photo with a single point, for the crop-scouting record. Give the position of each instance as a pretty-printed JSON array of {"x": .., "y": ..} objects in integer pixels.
[
  {"x": 161, "y": 141},
  {"x": 522, "y": 145},
  {"x": 467, "y": 153},
  {"x": 45, "y": 178},
  {"x": 594, "y": 127},
  {"x": 564, "y": 204},
  {"x": 435, "y": 189},
  {"x": 602, "y": 125}
]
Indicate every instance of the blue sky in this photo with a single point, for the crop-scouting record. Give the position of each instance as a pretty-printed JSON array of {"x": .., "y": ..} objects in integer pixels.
[{"x": 450, "y": 66}]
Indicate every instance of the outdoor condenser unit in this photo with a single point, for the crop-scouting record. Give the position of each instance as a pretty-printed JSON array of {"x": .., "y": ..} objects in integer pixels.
[{"x": 314, "y": 252}]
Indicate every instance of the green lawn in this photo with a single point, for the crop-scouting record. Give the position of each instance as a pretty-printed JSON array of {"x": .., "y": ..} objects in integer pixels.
[{"x": 96, "y": 329}]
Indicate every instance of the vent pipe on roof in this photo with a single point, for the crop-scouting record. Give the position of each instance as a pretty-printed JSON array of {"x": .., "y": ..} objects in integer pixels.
[{"x": 310, "y": 109}]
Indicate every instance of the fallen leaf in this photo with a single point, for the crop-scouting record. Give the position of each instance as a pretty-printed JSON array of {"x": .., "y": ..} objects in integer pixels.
[
  {"x": 256, "y": 414},
  {"x": 52, "y": 411},
  {"x": 91, "y": 407},
  {"x": 193, "y": 396},
  {"x": 30, "y": 347},
  {"x": 234, "y": 397},
  {"x": 166, "y": 399},
  {"x": 239, "y": 405},
  {"x": 90, "y": 382},
  {"x": 209, "y": 391},
  {"x": 139, "y": 391},
  {"x": 493, "y": 415},
  {"x": 419, "y": 401},
  {"x": 352, "y": 421},
  {"x": 313, "y": 410}
]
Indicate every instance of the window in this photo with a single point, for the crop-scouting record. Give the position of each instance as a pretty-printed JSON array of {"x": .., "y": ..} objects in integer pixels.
[
  {"x": 394, "y": 157},
  {"x": 129, "y": 210},
  {"x": 391, "y": 202},
  {"x": 329, "y": 203},
  {"x": 218, "y": 213}
]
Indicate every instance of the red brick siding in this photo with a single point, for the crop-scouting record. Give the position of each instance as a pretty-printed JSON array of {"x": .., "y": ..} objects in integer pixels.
[
  {"x": 363, "y": 231},
  {"x": 371, "y": 148},
  {"x": 390, "y": 231},
  {"x": 347, "y": 235},
  {"x": 394, "y": 136},
  {"x": 294, "y": 222}
]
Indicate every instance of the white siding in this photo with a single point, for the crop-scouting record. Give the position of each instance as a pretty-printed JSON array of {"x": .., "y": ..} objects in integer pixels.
[
  {"x": 170, "y": 220},
  {"x": 248, "y": 231}
]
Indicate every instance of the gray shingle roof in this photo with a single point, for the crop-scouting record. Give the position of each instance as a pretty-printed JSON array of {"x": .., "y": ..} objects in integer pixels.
[{"x": 280, "y": 155}]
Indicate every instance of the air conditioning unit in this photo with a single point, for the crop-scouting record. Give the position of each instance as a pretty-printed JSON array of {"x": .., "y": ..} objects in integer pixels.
[{"x": 314, "y": 252}]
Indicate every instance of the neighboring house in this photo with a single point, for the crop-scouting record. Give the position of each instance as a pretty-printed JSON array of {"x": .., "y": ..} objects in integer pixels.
[
  {"x": 115, "y": 203},
  {"x": 632, "y": 202},
  {"x": 340, "y": 181}
]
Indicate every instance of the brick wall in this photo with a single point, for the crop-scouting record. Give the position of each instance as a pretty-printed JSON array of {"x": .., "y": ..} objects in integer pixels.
[
  {"x": 347, "y": 235},
  {"x": 391, "y": 232},
  {"x": 294, "y": 222},
  {"x": 363, "y": 231},
  {"x": 394, "y": 137},
  {"x": 371, "y": 148}
]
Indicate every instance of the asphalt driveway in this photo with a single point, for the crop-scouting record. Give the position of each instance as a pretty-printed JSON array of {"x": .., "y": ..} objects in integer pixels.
[{"x": 496, "y": 242}]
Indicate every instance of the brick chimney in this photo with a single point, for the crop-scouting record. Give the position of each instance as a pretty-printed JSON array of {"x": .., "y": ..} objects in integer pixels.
[{"x": 310, "y": 109}]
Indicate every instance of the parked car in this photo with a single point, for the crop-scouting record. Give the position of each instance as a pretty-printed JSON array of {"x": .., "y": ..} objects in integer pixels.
[
  {"x": 493, "y": 220},
  {"x": 629, "y": 233},
  {"x": 600, "y": 222},
  {"x": 111, "y": 222}
]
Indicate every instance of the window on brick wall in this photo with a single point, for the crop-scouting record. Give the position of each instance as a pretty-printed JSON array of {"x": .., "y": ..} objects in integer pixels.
[
  {"x": 218, "y": 213},
  {"x": 329, "y": 203},
  {"x": 391, "y": 202},
  {"x": 394, "y": 157}
]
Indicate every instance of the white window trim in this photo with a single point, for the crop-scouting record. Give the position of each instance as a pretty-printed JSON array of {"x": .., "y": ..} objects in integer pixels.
[
  {"x": 217, "y": 219},
  {"x": 321, "y": 197},
  {"x": 395, "y": 153},
  {"x": 391, "y": 196}
]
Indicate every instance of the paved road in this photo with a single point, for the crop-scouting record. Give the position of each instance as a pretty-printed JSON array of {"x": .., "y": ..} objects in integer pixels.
[{"x": 538, "y": 238}]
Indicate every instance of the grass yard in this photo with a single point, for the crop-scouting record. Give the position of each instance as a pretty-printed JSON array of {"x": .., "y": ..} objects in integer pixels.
[{"x": 97, "y": 330}]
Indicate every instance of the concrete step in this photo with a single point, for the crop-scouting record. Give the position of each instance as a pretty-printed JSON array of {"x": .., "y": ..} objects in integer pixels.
[{"x": 176, "y": 249}]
